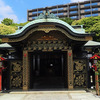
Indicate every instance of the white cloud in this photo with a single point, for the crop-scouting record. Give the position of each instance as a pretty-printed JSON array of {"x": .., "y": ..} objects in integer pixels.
[
  {"x": 7, "y": 12},
  {"x": 77, "y": 0}
]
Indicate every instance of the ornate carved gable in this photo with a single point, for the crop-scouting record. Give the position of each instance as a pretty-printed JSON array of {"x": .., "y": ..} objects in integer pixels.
[
  {"x": 42, "y": 41},
  {"x": 44, "y": 29}
]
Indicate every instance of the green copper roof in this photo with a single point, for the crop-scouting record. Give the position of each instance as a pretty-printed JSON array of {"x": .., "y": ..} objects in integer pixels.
[
  {"x": 5, "y": 45},
  {"x": 92, "y": 43},
  {"x": 47, "y": 20},
  {"x": 46, "y": 15}
]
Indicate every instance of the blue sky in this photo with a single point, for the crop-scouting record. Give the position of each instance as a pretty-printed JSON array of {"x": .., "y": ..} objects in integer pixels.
[{"x": 17, "y": 9}]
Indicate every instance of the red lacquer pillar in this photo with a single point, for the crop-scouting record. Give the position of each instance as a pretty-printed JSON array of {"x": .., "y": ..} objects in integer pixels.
[
  {"x": 0, "y": 79},
  {"x": 1, "y": 68}
]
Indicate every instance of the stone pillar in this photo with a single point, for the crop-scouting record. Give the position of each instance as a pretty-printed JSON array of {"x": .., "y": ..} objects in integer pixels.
[
  {"x": 25, "y": 70},
  {"x": 70, "y": 68}
]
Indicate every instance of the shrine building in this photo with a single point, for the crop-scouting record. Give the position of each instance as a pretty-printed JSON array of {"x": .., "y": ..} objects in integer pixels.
[{"x": 47, "y": 53}]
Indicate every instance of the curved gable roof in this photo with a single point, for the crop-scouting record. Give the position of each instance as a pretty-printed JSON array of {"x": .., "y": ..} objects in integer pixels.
[
  {"x": 58, "y": 22},
  {"x": 49, "y": 21}
]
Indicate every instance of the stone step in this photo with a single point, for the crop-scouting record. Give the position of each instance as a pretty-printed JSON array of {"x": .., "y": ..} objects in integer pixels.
[{"x": 47, "y": 92}]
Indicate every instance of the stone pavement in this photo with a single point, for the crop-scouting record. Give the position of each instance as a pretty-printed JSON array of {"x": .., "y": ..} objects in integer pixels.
[{"x": 49, "y": 95}]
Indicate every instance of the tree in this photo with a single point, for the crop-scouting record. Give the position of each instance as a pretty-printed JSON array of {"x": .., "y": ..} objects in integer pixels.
[
  {"x": 15, "y": 25},
  {"x": 87, "y": 22},
  {"x": 67, "y": 20},
  {"x": 4, "y": 29},
  {"x": 7, "y": 21},
  {"x": 96, "y": 29},
  {"x": 91, "y": 25},
  {"x": 23, "y": 24}
]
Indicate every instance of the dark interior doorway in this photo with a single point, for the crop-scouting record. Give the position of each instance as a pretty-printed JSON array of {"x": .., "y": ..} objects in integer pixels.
[{"x": 48, "y": 70}]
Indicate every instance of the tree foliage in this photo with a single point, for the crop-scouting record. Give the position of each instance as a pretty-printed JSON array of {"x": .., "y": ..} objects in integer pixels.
[
  {"x": 23, "y": 24},
  {"x": 96, "y": 29},
  {"x": 7, "y": 21},
  {"x": 15, "y": 25},
  {"x": 91, "y": 25},
  {"x": 9, "y": 27},
  {"x": 20, "y": 24},
  {"x": 4, "y": 29},
  {"x": 67, "y": 20}
]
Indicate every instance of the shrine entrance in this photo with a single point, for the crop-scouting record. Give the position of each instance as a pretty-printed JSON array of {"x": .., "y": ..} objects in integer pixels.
[
  {"x": 45, "y": 49},
  {"x": 48, "y": 70}
]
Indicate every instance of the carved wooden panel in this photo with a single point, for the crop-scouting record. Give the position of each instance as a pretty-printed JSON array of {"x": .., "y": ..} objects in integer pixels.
[
  {"x": 80, "y": 73},
  {"x": 16, "y": 74},
  {"x": 46, "y": 45}
]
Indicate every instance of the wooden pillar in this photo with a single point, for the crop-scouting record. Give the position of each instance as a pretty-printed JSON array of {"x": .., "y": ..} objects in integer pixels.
[
  {"x": 25, "y": 70},
  {"x": 70, "y": 68},
  {"x": 97, "y": 82}
]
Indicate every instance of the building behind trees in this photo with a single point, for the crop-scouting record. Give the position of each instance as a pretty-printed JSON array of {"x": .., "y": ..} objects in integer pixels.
[{"x": 75, "y": 10}]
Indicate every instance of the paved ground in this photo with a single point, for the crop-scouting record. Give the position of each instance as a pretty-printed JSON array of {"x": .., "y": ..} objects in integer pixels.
[{"x": 49, "y": 95}]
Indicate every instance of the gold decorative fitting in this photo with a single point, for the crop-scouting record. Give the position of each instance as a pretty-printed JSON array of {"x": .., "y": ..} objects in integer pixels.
[
  {"x": 34, "y": 48},
  {"x": 42, "y": 44},
  {"x": 50, "y": 48},
  {"x": 80, "y": 80},
  {"x": 46, "y": 29},
  {"x": 65, "y": 47},
  {"x": 60, "y": 47},
  {"x": 16, "y": 78},
  {"x": 47, "y": 37},
  {"x": 45, "y": 48},
  {"x": 59, "y": 41},
  {"x": 55, "y": 48},
  {"x": 80, "y": 73},
  {"x": 79, "y": 66},
  {"x": 40, "y": 48}
]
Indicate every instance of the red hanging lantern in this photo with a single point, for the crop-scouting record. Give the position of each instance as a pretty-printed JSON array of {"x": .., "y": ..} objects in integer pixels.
[{"x": 95, "y": 57}]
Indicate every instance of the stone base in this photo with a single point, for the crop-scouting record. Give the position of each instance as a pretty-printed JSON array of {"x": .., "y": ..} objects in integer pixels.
[
  {"x": 25, "y": 88},
  {"x": 70, "y": 87}
]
